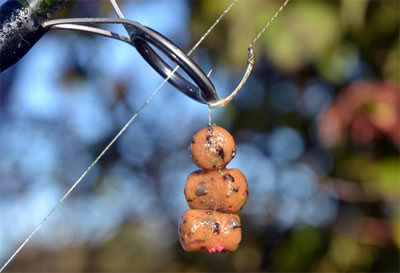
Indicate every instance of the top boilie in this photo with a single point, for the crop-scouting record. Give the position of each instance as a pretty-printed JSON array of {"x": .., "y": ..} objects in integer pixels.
[{"x": 212, "y": 148}]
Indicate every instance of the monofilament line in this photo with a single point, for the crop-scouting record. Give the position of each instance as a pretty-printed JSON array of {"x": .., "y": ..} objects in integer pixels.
[
  {"x": 269, "y": 23},
  {"x": 113, "y": 140},
  {"x": 209, "y": 108},
  {"x": 117, "y": 9}
]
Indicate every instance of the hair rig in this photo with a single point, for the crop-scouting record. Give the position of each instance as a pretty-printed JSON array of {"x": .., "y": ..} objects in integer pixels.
[{"x": 22, "y": 26}]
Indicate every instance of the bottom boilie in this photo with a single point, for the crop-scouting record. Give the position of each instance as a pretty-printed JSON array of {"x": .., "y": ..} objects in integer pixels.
[{"x": 209, "y": 230}]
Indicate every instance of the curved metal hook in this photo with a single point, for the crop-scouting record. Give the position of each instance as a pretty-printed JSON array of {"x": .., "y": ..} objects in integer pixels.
[
  {"x": 251, "y": 58},
  {"x": 153, "y": 59},
  {"x": 215, "y": 103},
  {"x": 141, "y": 36}
]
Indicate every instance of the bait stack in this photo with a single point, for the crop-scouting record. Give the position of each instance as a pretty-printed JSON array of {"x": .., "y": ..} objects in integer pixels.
[{"x": 215, "y": 195}]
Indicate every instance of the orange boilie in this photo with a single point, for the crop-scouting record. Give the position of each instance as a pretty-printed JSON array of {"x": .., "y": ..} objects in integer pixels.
[
  {"x": 206, "y": 229},
  {"x": 212, "y": 148},
  {"x": 223, "y": 190},
  {"x": 214, "y": 194}
]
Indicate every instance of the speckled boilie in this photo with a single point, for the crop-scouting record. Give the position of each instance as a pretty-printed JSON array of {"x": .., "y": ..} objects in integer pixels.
[{"x": 212, "y": 148}]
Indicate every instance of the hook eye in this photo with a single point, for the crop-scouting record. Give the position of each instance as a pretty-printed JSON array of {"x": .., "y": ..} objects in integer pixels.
[{"x": 203, "y": 91}]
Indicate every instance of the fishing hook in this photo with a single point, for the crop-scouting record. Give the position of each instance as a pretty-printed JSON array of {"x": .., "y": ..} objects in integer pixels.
[
  {"x": 16, "y": 41},
  {"x": 251, "y": 59},
  {"x": 219, "y": 102},
  {"x": 140, "y": 38}
]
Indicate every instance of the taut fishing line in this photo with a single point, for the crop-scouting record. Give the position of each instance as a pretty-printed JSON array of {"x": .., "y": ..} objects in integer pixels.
[{"x": 219, "y": 103}]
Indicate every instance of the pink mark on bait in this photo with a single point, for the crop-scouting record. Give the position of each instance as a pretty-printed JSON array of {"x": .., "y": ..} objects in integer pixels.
[{"x": 217, "y": 248}]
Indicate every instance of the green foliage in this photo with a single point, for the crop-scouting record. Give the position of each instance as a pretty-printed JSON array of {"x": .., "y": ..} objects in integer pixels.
[{"x": 380, "y": 176}]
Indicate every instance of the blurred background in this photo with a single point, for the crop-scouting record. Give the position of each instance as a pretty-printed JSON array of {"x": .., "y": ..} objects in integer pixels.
[{"x": 316, "y": 126}]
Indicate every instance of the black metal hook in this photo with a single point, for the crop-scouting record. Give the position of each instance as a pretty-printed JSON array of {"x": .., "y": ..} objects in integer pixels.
[
  {"x": 204, "y": 91},
  {"x": 141, "y": 37},
  {"x": 21, "y": 29}
]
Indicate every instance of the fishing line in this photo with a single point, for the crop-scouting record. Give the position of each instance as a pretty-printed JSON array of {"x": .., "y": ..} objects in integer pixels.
[
  {"x": 117, "y": 9},
  {"x": 113, "y": 140},
  {"x": 130, "y": 121},
  {"x": 209, "y": 108},
  {"x": 269, "y": 23}
]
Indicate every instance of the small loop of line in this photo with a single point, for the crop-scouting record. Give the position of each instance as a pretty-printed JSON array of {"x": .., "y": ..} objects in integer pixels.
[
  {"x": 209, "y": 108},
  {"x": 112, "y": 141},
  {"x": 209, "y": 116}
]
